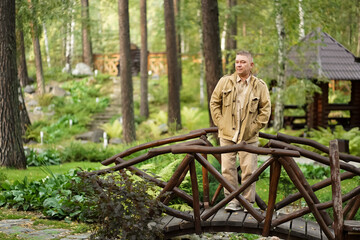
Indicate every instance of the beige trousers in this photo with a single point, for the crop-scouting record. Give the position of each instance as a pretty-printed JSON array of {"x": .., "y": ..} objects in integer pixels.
[{"x": 248, "y": 164}]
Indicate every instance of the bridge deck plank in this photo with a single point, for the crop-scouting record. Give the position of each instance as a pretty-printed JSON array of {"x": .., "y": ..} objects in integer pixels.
[
  {"x": 220, "y": 218},
  {"x": 313, "y": 230},
  {"x": 173, "y": 225},
  {"x": 250, "y": 221},
  {"x": 206, "y": 223},
  {"x": 236, "y": 219},
  {"x": 164, "y": 221},
  {"x": 298, "y": 227}
]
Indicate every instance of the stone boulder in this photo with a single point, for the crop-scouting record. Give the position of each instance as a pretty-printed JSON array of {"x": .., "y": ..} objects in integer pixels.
[{"x": 82, "y": 69}]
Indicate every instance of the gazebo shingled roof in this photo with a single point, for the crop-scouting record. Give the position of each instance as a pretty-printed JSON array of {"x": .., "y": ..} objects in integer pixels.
[{"x": 318, "y": 55}]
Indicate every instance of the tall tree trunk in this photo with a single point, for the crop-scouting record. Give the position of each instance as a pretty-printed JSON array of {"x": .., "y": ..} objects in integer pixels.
[
  {"x": 37, "y": 52},
  {"x": 144, "y": 104},
  {"x": 69, "y": 40},
  {"x": 279, "y": 105},
  {"x": 174, "y": 117},
  {"x": 178, "y": 38},
  {"x": 21, "y": 59},
  {"x": 48, "y": 60},
  {"x": 211, "y": 43},
  {"x": 11, "y": 146},
  {"x": 68, "y": 48},
  {"x": 86, "y": 39},
  {"x": 301, "y": 23},
  {"x": 127, "y": 104},
  {"x": 202, "y": 66},
  {"x": 24, "y": 116},
  {"x": 230, "y": 41}
]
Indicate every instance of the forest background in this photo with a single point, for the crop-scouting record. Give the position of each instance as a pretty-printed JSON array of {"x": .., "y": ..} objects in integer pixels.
[{"x": 68, "y": 32}]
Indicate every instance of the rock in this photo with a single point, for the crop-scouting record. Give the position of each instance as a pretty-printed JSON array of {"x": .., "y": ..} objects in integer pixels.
[
  {"x": 58, "y": 91},
  {"x": 32, "y": 103},
  {"x": 29, "y": 89},
  {"x": 82, "y": 69},
  {"x": 93, "y": 136},
  {"x": 115, "y": 141},
  {"x": 38, "y": 110},
  {"x": 163, "y": 128}
]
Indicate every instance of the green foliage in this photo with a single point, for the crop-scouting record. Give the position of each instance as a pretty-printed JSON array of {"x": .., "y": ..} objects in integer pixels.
[
  {"x": 325, "y": 135},
  {"x": 57, "y": 130},
  {"x": 76, "y": 152},
  {"x": 122, "y": 207},
  {"x": 3, "y": 177},
  {"x": 45, "y": 99},
  {"x": 52, "y": 195},
  {"x": 286, "y": 186},
  {"x": 113, "y": 130},
  {"x": 158, "y": 91},
  {"x": 190, "y": 117},
  {"x": 47, "y": 157},
  {"x": 312, "y": 171},
  {"x": 85, "y": 100}
]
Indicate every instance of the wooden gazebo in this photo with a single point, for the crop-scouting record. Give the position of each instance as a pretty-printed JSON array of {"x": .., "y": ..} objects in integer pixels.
[{"x": 320, "y": 58}]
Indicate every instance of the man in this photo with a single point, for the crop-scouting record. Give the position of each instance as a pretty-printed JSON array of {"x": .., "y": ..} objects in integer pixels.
[{"x": 240, "y": 106}]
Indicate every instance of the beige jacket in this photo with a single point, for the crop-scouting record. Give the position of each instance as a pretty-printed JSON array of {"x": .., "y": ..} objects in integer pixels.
[{"x": 254, "y": 115}]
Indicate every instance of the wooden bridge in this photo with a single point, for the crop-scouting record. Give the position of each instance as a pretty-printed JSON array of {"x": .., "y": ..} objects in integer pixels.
[{"x": 208, "y": 214}]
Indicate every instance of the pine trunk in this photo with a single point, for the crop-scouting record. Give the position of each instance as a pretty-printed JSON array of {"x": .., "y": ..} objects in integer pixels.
[
  {"x": 11, "y": 146},
  {"x": 86, "y": 39},
  {"x": 37, "y": 53},
  {"x": 144, "y": 104},
  {"x": 230, "y": 41},
  {"x": 21, "y": 59},
  {"x": 174, "y": 117},
  {"x": 127, "y": 105},
  {"x": 178, "y": 38},
  {"x": 211, "y": 44}
]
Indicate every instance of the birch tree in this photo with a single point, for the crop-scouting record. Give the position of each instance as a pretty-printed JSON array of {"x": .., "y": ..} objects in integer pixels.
[
  {"x": 279, "y": 105},
  {"x": 301, "y": 22}
]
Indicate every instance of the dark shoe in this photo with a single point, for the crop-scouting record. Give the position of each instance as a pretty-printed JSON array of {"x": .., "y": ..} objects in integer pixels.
[{"x": 232, "y": 207}]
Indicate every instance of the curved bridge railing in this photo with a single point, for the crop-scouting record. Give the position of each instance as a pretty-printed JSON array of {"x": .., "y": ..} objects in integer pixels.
[{"x": 265, "y": 221}]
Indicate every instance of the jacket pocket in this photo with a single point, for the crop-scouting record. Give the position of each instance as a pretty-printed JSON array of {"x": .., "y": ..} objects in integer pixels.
[
  {"x": 254, "y": 104},
  {"x": 226, "y": 97}
]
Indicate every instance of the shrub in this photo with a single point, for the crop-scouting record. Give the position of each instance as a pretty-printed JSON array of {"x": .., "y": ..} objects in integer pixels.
[
  {"x": 113, "y": 130},
  {"x": 47, "y": 157},
  {"x": 122, "y": 207},
  {"x": 52, "y": 195},
  {"x": 77, "y": 152}
]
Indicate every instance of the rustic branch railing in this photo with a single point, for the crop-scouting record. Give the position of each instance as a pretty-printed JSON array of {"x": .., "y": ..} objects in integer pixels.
[{"x": 281, "y": 153}]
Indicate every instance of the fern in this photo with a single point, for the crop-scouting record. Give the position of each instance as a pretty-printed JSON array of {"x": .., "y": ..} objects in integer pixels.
[
  {"x": 190, "y": 117},
  {"x": 113, "y": 130}
]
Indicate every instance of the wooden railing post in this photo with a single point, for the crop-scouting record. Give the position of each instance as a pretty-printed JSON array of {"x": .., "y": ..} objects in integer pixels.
[
  {"x": 336, "y": 190},
  {"x": 275, "y": 170},
  {"x": 195, "y": 190},
  {"x": 206, "y": 191}
]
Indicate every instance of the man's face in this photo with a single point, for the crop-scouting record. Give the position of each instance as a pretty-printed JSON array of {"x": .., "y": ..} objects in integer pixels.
[{"x": 243, "y": 65}]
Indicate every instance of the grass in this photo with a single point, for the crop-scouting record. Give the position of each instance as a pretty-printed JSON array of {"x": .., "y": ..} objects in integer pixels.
[{"x": 37, "y": 173}]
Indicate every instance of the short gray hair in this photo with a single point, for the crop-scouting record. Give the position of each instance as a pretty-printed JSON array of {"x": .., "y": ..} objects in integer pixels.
[{"x": 245, "y": 53}]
